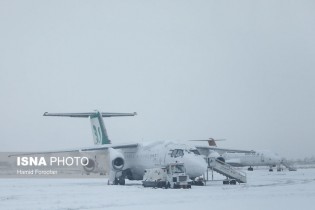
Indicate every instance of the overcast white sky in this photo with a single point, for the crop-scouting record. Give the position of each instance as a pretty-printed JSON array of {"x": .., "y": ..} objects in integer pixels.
[{"x": 240, "y": 70}]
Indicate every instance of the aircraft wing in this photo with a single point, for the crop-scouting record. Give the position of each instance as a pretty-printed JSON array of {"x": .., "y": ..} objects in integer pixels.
[
  {"x": 222, "y": 150},
  {"x": 213, "y": 147}
]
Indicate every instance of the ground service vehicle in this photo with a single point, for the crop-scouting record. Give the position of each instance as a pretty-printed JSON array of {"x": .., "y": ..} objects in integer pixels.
[{"x": 171, "y": 176}]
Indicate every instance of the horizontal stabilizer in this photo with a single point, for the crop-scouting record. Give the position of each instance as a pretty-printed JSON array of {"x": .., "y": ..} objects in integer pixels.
[
  {"x": 211, "y": 141},
  {"x": 99, "y": 132},
  {"x": 89, "y": 114}
]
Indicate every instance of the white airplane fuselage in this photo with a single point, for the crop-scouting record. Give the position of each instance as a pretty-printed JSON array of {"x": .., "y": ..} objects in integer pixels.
[
  {"x": 159, "y": 154},
  {"x": 264, "y": 158}
]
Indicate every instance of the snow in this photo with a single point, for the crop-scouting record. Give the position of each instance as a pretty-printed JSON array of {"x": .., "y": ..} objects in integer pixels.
[{"x": 264, "y": 190}]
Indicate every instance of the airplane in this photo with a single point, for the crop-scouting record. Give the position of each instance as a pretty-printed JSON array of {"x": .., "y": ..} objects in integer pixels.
[
  {"x": 129, "y": 161},
  {"x": 255, "y": 158},
  {"x": 243, "y": 158}
]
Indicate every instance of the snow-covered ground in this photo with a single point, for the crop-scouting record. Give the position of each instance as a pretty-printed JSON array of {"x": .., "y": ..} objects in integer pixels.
[{"x": 264, "y": 190}]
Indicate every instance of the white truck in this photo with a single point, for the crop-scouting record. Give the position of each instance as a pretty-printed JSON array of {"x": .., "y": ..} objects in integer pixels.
[{"x": 171, "y": 176}]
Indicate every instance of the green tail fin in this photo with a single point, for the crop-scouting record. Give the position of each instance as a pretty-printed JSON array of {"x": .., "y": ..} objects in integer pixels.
[{"x": 98, "y": 129}]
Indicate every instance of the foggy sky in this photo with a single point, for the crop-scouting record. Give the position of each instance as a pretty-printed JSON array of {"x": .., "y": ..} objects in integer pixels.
[{"x": 240, "y": 70}]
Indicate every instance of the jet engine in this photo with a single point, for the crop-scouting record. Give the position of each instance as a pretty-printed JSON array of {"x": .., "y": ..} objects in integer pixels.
[
  {"x": 117, "y": 160},
  {"x": 116, "y": 165},
  {"x": 90, "y": 165}
]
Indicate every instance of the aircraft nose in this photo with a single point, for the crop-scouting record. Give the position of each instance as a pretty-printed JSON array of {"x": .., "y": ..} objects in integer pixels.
[{"x": 195, "y": 166}]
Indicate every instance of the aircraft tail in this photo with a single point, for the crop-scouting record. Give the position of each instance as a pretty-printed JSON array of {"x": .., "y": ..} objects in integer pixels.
[
  {"x": 211, "y": 141},
  {"x": 98, "y": 129},
  {"x": 97, "y": 124}
]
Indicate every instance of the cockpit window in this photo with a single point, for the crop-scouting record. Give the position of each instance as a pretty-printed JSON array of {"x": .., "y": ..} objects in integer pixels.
[
  {"x": 178, "y": 169},
  {"x": 177, "y": 153},
  {"x": 196, "y": 152}
]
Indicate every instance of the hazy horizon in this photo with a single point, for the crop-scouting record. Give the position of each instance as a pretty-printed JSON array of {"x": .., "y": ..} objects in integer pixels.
[{"x": 239, "y": 70}]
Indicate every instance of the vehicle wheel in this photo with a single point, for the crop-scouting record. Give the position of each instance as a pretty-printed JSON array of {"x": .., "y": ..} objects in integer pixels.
[
  {"x": 233, "y": 182},
  {"x": 122, "y": 181},
  {"x": 226, "y": 182},
  {"x": 271, "y": 170},
  {"x": 159, "y": 185},
  {"x": 168, "y": 185},
  {"x": 116, "y": 181}
]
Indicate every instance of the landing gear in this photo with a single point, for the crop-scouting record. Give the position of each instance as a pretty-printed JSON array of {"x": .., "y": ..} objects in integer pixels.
[
  {"x": 116, "y": 178},
  {"x": 250, "y": 169},
  {"x": 117, "y": 181},
  {"x": 270, "y": 170},
  {"x": 229, "y": 181},
  {"x": 198, "y": 181},
  {"x": 121, "y": 180}
]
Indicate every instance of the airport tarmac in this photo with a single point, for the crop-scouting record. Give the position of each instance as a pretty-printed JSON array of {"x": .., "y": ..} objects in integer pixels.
[{"x": 264, "y": 190}]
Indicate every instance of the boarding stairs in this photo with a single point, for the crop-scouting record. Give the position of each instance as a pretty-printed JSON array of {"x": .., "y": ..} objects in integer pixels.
[
  {"x": 226, "y": 170},
  {"x": 288, "y": 165}
]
